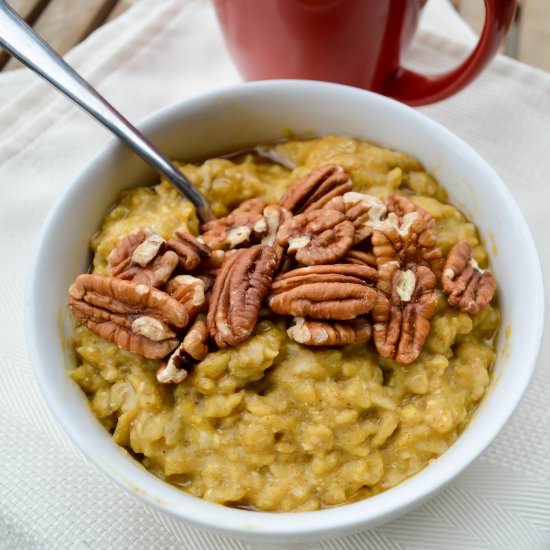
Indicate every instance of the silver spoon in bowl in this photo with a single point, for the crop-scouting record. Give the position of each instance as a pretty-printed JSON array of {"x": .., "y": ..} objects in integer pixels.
[{"x": 24, "y": 44}]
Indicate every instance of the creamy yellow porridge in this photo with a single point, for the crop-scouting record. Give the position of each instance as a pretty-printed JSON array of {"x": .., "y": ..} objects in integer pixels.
[{"x": 269, "y": 423}]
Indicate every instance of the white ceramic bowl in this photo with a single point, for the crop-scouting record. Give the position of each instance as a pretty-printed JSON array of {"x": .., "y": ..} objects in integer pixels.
[{"x": 262, "y": 112}]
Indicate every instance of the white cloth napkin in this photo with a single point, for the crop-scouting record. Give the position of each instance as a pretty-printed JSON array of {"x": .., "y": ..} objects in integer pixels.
[{"x": 157, "y": 53}]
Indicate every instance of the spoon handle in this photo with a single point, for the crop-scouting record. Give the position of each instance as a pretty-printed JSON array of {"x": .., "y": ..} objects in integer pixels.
[{"x": 24, "y": 44}]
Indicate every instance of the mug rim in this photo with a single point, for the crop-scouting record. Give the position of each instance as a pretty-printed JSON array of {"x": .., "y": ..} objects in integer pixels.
[{"x": 329, "y": 521}]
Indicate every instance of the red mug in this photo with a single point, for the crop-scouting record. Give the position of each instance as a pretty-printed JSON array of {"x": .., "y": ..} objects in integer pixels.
[{"x": 355, "y": 42}]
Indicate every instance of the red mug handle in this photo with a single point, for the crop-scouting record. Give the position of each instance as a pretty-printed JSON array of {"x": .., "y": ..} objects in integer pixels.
[{"x": 418, "y": 89}]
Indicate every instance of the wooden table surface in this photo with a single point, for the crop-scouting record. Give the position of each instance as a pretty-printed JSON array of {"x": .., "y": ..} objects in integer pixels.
[
  {"x": 65, "y": 23},
  {"x": 529, "y": 40}
]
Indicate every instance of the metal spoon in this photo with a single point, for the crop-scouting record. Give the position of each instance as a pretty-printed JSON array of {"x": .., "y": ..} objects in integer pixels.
[
  {"x": 24, "y": 44},
  {"x": 263, "y": 152}
]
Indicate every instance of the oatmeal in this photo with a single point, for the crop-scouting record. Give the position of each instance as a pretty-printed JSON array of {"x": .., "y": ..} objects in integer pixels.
[{"x": 328, "y": 337}]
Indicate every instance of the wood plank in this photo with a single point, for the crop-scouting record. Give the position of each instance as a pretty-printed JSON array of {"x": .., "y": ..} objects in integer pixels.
[
  {"x": 30, "y": 11},
  {"x": 534, "y": 34},
  {"x": 26, "y": 7},
  {"x": 511, "y": 46},
  {"x": 64, "y": 23},
  {"x": 120, "y": 8},
  {"x": 473, "y": 11},
  {"x": 99, "y": 18}
]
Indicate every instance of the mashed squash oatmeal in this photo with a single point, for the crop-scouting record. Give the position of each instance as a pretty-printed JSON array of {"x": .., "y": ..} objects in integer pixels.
[{"x": 326, "y": 338}]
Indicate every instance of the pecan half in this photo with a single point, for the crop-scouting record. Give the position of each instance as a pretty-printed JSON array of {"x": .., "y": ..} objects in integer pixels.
[
  {"x": 406, "y": 235},
  {"x": 190, "y": 251},
  {"x": 189, "y": 291},
  {"x": 317, "y": 237},
  {"x": 140, "y": 257},
  {"x": 136, "y": 317},
  {"x": 467, "y": 287},
  {"x": 316, "y": 189},
  {"x": 329, "y": 333},
  {"x": 241, "y": 285},
  {"x": 337, "y": 292},
  {"x": 405, "y": 305},
  {"x": 362, "y": 210},
  {"x": 238, "y": 228}
]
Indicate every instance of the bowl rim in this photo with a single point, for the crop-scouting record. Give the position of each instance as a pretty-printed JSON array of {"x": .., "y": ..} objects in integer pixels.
[{"x": 291, "y": 524}]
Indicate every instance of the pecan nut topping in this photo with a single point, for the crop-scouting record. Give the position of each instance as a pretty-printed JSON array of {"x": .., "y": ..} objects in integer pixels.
[
  {"x": 195, "y": 341},
  {"x": 193, "y": 347},
  {"x": 211, "y": 265},
  {"x": 405, "y": 305},
  {"x": 190, "y": 251},
  {"x": 174, "y": 370},
  {"x": 189, "y": 291},
  {"x": 136, "y": 317},
  {"x": 359, "y": 257},
  {"x": 240, "y": 288},
  {"x": 317, "y": 237},
  {"x": 316, "y": 189},
  {"x": 335, "y": 292},
  {"x": 238, "y": 228},
  {"x": 329, "y": 333},
  {"x": 140, "y": 257},
  {"x": 406, "y": 235},
  {"x": 275, "y": 216},
  {"x": 362, "y": 210},
  {"x": 467, "y": 287}
]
